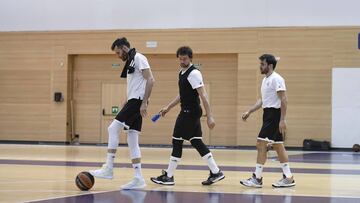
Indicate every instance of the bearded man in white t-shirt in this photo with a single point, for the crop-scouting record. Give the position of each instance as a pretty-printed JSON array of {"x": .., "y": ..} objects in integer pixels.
[
  {"x": 140, "y": 81},
  {"x": 274, "y": 103}
]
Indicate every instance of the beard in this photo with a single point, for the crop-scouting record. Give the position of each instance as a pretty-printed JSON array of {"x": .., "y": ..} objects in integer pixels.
[
  {"x": 264, "y": 71},
  {"x": 183, "y": 65},
  {"x": 124, "y": 56}
]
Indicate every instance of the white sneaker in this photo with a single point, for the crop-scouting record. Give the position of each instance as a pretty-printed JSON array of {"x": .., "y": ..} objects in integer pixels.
[
  {"x": 253, "y": 182},
  {"x": 105, "y": 172},
  {"x": 136, "y": 183},
  {"x": 284, "y": 182}
]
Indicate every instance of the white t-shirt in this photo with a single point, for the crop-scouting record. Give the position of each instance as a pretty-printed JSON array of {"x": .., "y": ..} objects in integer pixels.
[
  {"x": 136, "y": 82},
  {"x": 269, "y": 88},
  {"x": 195, "y": 78}
]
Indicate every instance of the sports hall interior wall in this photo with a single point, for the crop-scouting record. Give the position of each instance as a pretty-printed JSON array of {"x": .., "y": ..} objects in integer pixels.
[{"x": 34, "y": 65}]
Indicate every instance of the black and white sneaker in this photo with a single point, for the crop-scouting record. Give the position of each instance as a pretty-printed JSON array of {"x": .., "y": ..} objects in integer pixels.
[
  {"x": 213, "y": 178},
  {"x": 163, "y": 179}
]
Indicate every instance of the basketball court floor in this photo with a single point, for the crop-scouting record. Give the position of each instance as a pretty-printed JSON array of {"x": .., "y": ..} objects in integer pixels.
[{"x": 46, "y": 173}]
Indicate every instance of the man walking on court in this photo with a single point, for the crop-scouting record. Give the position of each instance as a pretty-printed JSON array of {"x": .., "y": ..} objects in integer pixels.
[
  {"x": 139, "y": 85},
  {"x": 274, "y": 102},
  {"x": 187, "y": 126}
]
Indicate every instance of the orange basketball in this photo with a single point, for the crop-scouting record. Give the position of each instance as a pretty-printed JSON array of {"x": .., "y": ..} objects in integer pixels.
[{"x": 84, "y": 181}]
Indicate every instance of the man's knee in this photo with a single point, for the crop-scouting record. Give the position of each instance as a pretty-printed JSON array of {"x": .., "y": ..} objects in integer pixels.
[
  {"x": 177, "y": 148},
  {"x": 199, "y": 145},
  {"x": 133, "y": 143},
  {"x": 261, "y": 145}
]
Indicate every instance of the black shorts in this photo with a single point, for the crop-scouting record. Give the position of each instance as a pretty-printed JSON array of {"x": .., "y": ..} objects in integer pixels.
[
  {"x": 270, "y": 129},
  {"x": 130, "y": 115},
  {"x": 188, "y": 125}
]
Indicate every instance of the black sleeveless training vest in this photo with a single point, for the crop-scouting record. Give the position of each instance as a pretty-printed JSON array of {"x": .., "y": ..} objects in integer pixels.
[{"x": 189, "y": 97}]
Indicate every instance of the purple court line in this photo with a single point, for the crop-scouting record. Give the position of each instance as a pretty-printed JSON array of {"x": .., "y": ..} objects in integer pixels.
[
  {"x": 316, "y": 157},
  {"x": 138, "y": 196},
  {"x": 183, "y": 167}
]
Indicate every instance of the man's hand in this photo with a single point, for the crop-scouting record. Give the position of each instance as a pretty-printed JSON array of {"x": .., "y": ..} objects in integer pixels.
[
  {"x": 143, "y": 109},
  {"x": 164, "y": 111},
  {"x": 211, "y": 122},
  {"x": 282, "y": 127},
  {"x": 245, "y": 115}
]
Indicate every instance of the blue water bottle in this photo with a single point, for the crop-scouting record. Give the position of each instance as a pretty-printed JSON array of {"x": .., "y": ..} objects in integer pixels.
[{"x": 155, "y": 117}]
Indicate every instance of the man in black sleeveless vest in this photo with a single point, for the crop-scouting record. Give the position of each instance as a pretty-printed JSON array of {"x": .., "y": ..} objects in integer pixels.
[{"x": 187, "y": 126}]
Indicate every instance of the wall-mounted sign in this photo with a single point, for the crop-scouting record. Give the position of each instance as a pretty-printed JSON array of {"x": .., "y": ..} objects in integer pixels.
[{"x": 114, "y": 109}]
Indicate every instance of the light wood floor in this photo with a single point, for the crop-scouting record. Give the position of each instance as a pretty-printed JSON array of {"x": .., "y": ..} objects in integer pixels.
[{"x": 20, "y": 181}]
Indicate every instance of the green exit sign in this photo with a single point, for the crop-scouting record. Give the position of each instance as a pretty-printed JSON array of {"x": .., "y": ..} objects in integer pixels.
[
  {"x": 115, "y": 65},
  {"x": 114, "y": 109}
]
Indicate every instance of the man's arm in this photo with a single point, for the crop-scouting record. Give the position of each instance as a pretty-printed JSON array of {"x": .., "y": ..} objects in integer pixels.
[
  {"x": 147, "y": 74},
  {"x": 282, "y": 124},
  {"x": 173, "y": 103},
  {"x": 254, "y": 108},
  {"x": 205, "y": 100}
]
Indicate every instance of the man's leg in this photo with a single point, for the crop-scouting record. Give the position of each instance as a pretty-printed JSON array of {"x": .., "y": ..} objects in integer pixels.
[
  {"x": 256, "y": 179},
  {"x": 288, "y": 179},
  {"x": 175, "y": 156},
  {"x": 113, "y": 142},
  {"x": 167, "y": 177},
  {"x": 135, "y": 154},
  {"x": 215, "y": 173},
  {"x": 261, "y": 147},
  {"x": 283, "y": 158}
]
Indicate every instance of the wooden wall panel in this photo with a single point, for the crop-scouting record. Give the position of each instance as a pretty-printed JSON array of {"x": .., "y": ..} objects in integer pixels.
[
  {"x": 247, "y": 94},
  {"x": 33, "y": 65}
]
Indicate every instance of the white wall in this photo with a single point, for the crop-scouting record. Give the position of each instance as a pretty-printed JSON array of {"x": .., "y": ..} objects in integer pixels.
[
  {"x": 345, "y": 107},
  {"x": 22, "y": 15}
]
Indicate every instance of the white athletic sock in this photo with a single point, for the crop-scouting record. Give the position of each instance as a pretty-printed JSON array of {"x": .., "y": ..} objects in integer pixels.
[
  {"x": 258, "y": 170},
  {"x": 286, "y": 170},
  {"x": 172, "y": 166},
  {"x": 137, "y": 169},
  {"x": 209, "y": 158},
  {"x": 110, "y": 160}
]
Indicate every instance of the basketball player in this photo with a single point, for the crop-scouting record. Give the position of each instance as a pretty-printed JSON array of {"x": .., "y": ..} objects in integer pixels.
[
  {"x": 139, "y": 85},
  {"x": 187, "y": 126},
  {"x": 274, "y": 102}
]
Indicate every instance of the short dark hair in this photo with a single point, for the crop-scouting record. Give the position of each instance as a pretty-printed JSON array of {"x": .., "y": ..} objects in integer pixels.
[
  {"x": 120, "y": 42},
  {"x": 184, "y": 50},
  {"x": 270, "y": 59}
]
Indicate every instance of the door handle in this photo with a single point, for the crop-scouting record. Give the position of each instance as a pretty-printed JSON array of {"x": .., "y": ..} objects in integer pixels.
[{"x": 104, "y": 113}]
